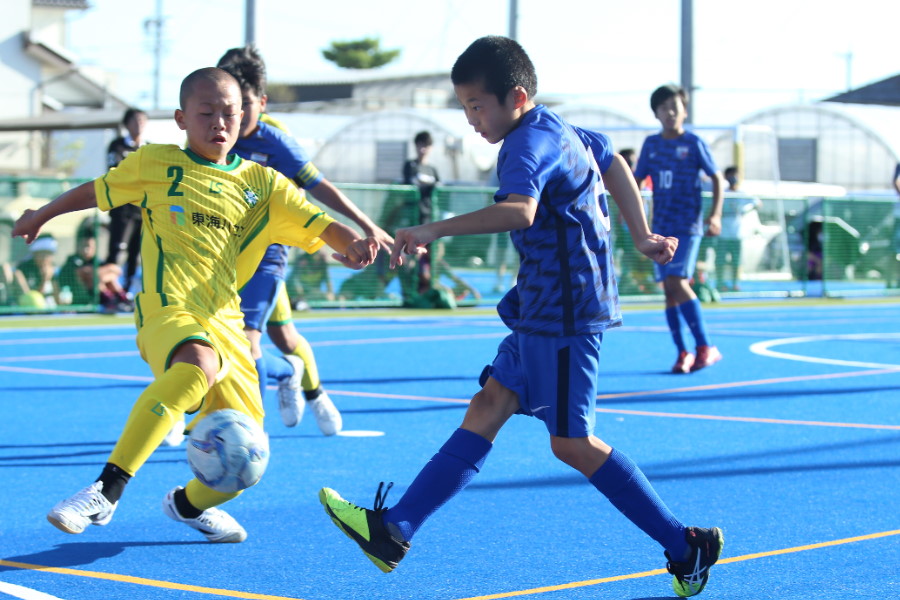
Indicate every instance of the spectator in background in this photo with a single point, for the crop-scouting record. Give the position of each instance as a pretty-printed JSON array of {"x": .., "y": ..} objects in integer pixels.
[
  {"x": 36, "y": 275},
  {"x": 125, "y": 221},
  {"x": 428, "y": 293},
  {"x": 309, "y": 280},
  {"x": 728, "y": 244},
  {"x": 424, "y": 176},
  {"x": 87, "y": 285}
]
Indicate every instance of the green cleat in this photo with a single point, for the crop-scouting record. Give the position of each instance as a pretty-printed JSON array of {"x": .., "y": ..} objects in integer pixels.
[
  {"x": 366, "y": 527},
  {"x": 690, "y": 576}
]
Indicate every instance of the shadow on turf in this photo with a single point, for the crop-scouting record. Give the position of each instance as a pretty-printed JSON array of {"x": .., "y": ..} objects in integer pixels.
[
  {"x": 79, "y": 554},
  {"x": 78, "y": 388},
  {"x": 699, "y": 468},
  {"x": 92, "y": 457},
  {"x": 720, "y": 395},
  {"x": 472, "y": 378}
]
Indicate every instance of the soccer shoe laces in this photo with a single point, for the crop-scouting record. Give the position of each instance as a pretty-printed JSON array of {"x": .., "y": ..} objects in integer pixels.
[
  {"x": 89, "y": 501},
  {"x": 216, "y": 520},
  {"x": 380, "y": 497}
]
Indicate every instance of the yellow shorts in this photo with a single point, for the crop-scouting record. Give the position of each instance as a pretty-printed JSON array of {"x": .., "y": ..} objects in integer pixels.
[
  {"x": 237, "y": 383},
  {"x": 282, "y": 312}
]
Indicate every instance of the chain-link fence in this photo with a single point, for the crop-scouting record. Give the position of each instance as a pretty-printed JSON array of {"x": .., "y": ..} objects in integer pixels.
[{"x": 771, "y": 246}]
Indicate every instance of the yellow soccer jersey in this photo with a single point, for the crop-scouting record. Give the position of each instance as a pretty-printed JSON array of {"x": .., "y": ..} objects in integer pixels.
[{"x": 198, "y": 216}]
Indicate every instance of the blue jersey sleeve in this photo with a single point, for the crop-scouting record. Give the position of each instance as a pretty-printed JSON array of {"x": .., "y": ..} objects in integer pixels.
[
  {"x": 707, "y": 163},
  {"x": 600, "y": 145},
  {"x": 642, "y": 169}
]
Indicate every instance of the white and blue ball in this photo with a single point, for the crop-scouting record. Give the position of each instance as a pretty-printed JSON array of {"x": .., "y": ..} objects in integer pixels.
[{"x": 228, "y": 451}]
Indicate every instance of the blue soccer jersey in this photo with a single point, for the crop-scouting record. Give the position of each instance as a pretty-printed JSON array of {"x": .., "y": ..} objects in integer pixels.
[
  {"x": 675, "y": 165},
  {"x": 272, "y": 147},
  {"x": 566, "y": 284}
]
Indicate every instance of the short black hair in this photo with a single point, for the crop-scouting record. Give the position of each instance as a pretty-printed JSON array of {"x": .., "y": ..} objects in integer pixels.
[
  {"x": 498, "y": 63},
  {"x": 212, "y": 74},
  {"x": 247, "y": 66},
  {"x": 732, "y": 170},
  {"x": 423, "y": 138},
  {"x": 664, "y": 92},
  {"x": 130, "y": 114}
]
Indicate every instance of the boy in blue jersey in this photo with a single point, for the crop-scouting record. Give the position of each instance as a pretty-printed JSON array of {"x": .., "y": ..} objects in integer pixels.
[
  {"x": 552, "y": 200},
  {"x": 271, "y": 146},
  {"x": 673, "y": 159}
]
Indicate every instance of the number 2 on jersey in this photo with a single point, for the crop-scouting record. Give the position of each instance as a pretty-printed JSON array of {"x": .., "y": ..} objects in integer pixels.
[{"x": 177, "y": 174}]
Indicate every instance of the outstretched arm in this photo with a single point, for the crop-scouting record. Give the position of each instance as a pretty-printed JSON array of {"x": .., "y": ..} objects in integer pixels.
[
  {"x": 620, "y": 182},
  {"x": 29, "y": 225},
  {"x": 515, "y": 212},
  {"x": 329, "y": 195},
  {"x": 351, "y": 250}
]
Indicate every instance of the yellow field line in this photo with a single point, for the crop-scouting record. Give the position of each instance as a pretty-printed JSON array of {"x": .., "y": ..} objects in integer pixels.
[
  {"x": 142, "y": 581},
  {"x": 528, "y": 592},
  {"x": 745, "y": 557}
]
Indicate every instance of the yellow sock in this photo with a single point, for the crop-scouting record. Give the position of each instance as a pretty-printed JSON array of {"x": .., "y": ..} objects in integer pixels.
[
  {"x": 310, "y": 379},
  {"x": 178, "y": 390},
  {"x": 202, "y": 497}
]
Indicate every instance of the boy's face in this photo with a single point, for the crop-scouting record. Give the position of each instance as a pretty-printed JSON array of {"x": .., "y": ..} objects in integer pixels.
[
  {"x": 136, "y": 125},
  {"x": 671, "y": 114},
  {"x": 253, "y": 106},
  {"x": 212, "y": 119},
  {"x": 491, "y": 119},
  {"x": 422, "y": 151},
  {"x": 88, "y": 248}
]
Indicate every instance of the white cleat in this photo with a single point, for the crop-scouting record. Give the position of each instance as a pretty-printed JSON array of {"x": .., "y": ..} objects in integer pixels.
[
  {"x": 290, "y": 398},
  {"x": 87, "y": 507},
  {"x": 216, "y": 524},
  {"x": 328, "y": 418}
]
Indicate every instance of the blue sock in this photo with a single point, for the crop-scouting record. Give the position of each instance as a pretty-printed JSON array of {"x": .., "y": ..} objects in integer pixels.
[
  {"x": 673, "y": 318},
  {"x": 626, "y": 486},
  {"x": 261, "y": 373},
  {"x": 444, "y": 476},
  {"x": 694, "y": 319},
  {"x": 277, "y": 366}
]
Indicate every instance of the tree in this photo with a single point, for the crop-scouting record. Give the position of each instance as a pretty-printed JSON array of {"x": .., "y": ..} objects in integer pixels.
[{"x": 365, "y": 53}]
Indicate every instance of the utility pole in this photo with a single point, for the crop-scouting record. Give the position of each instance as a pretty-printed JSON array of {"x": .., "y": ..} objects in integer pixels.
[
  {"x": 848, "y": 57},
  {"x": 249, "y": 22},
  {"x": 156, "y": 25},
  {"x": 687, "y": 50},
  {"x": 513, "y": 19}
]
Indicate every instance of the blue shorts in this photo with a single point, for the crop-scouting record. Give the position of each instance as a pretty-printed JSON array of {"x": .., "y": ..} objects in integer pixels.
[
  {"x": 556, "y": 379},
  {"x": 258, "y": 299},
  {"x": 685, "y": 260}
]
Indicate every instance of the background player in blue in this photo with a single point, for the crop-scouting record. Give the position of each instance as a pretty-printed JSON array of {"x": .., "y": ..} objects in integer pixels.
[
  {"x": 673, "y": 159},
  {"x": 552, "y": 200},
  {"x": 271, "y": 146}
]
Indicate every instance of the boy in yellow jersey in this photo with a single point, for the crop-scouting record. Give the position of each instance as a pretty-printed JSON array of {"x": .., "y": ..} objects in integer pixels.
[{"x": 201, "y": 207}]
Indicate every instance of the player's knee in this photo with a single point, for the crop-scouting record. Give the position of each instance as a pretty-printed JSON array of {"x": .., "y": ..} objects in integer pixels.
[
  {"x": 563, "y": 449},
  {"x": 201, "y": 355}
]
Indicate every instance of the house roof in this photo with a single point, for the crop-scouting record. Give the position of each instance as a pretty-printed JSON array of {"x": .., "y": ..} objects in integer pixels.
[
  {"x": 61, "y": 3},
  {"x": 885, "y": 92}
]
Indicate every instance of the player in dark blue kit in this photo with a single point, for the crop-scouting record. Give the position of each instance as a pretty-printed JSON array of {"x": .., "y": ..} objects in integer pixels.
[
  {"x": 264, "y": 140},
  {"x": 552, "y": 200},
  {"x": 673, "y": 159}
]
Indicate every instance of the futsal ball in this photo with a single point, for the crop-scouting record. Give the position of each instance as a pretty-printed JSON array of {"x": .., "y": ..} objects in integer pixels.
[{"x": 228, "y": 451}]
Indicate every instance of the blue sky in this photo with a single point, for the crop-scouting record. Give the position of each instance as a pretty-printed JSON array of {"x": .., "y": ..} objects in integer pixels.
[{"x": 748, "y": 56}]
